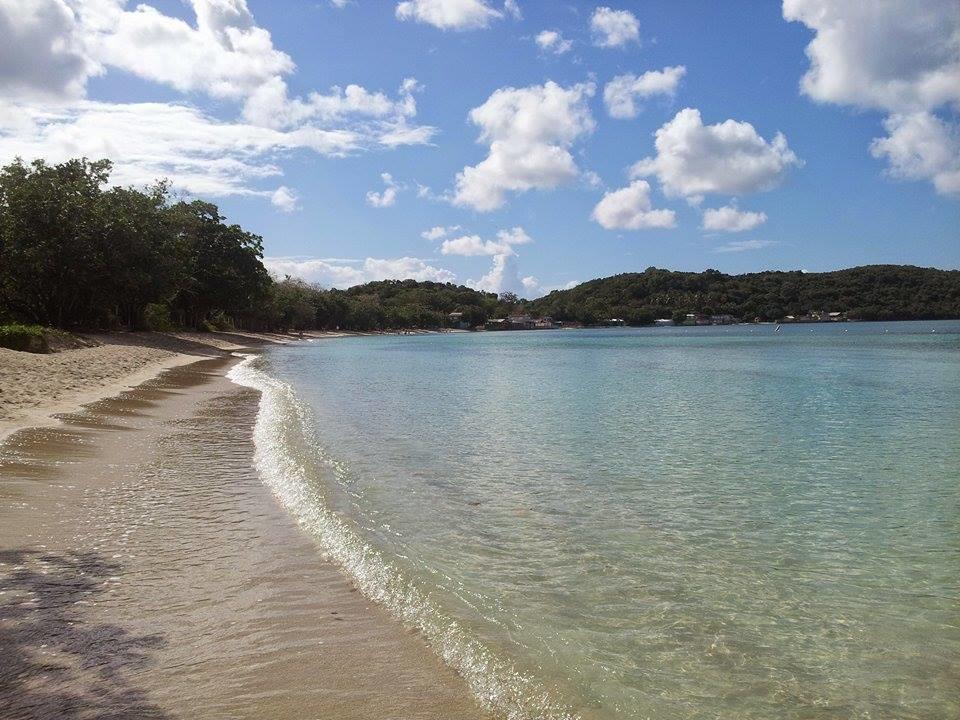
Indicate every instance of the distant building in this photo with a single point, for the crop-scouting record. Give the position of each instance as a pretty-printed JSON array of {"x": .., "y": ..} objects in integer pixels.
[
  {"x": 614, "y": 322},
  {"x": 664, "y": 322},
  {"x": 521, "y": 322},
  {"x": 455, "y": 320},
  {"x": 722, "y": 319},
  {"x": 497, "y": 324}
]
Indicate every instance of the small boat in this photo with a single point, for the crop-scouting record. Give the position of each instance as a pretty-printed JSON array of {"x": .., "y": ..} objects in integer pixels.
[{"x": 778, "y": 329}]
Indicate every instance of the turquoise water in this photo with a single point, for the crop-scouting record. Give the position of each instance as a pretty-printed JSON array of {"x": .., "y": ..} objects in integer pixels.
[{"x": 655, "y": 523}]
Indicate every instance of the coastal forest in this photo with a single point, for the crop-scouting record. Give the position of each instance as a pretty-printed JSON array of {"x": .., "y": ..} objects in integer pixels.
[{"x": 76, "y": 253}]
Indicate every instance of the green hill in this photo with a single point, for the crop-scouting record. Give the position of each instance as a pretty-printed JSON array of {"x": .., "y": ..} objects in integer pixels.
[{"x": 871, "y": 292}]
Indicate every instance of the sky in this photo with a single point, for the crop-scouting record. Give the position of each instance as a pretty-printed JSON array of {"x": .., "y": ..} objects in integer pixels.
[{"x": 518, "y": 146}]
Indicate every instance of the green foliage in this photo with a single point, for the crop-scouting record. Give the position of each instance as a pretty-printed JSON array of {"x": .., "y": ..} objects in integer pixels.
[
  {"x": 382, "y": 305},
  {"x": 26, "y": 338},
  {"x": 872, "y": 292},
  {"x": 156, "y": 316},
  {"x": 218, "y": 321},
  {"x": 73, "y": 253}
]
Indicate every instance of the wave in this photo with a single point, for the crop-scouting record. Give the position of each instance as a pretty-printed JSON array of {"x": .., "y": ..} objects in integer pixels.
[{"x": 290, "y": 463}]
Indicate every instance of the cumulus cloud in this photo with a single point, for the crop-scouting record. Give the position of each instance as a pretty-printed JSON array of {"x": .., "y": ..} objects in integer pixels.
[
  {"x": 225, "y": 54},
  {"x": 285, "y": 199},
  {"x": 329, "y": 272},
  {"x": 43, "y": 51},
  {"x": 621, "y": 94},
  {"x": 503, "y": 277},
  {"x": 922, "y": 146},
  {"x": 452, "y": 14},
  {"x": 438, "y": 232},
  {"x": 614, "y": 28},
  {"x": 729, "y": 158},
  {"x": 630, "y": 208},
  {"x": 730, "y": 219},
  {"x": 897, "y": 56},
  {"x": 474, "y": 245},
  {"x": 553, "y": 41},
  {"x": 52, "y": 47},
  {"x": 529, "y": 132},
  {"x": 744, "y": 246},
  {"x": 386, "y": 198}
]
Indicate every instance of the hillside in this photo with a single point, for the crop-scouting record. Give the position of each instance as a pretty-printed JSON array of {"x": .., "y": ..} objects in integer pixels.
[{"x": 871, "y": 292}]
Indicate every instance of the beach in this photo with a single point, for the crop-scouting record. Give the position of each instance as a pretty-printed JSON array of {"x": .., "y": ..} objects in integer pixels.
[{"x": 147, "y": 572}]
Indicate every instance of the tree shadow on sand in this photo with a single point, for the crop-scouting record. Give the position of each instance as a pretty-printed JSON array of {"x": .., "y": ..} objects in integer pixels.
[{"x": 54, "y": 662}]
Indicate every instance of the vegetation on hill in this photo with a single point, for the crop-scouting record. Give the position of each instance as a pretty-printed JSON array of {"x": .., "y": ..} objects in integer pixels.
[
  {"x": 872, "y": 292},
  {"x": 77, "y": 253}
]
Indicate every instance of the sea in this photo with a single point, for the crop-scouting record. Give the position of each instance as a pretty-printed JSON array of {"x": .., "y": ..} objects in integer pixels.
[{"x": 737, "y": 522}]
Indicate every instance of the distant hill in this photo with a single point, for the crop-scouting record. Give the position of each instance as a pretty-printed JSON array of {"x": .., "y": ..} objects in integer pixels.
[{"x": 871, "y": 292}]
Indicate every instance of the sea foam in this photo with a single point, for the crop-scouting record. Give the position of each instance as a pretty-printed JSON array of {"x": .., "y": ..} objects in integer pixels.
[{"x": 291, "y": 464}]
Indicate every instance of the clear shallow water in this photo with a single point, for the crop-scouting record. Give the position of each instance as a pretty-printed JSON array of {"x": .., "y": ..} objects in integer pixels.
[{"x": 656, "y": 523}]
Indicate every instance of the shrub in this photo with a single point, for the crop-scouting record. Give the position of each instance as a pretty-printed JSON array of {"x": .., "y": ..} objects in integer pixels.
[
  {"x": 218, "y": 320},
  {"x": 25, "y": 338},
  {"x": 156, "y": 316}
]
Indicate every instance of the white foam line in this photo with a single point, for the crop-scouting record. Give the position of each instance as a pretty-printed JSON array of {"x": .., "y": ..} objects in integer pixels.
[{"x": 289, "y": 464}]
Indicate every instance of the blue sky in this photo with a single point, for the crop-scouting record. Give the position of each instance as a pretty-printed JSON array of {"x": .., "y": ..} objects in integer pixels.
[{"x": 773, "y": 153}]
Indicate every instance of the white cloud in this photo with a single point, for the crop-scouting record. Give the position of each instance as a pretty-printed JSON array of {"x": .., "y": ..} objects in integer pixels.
[
  {"x": 474, "y": 245},
  {"x": 225, "y": 55},
  {"x": 43, "y": 50},
  {"x": 630, "y": 208},
  {"x": 529, "y": 131},
  {"x": 512, "y": 8},
  {"x": 614, "y": 28},
  {"x": 591, "y": 179},
  {"x": 514, "y": 236},
  {"x": 449, "y": 14},
  {"x": 52, "y": 47},
  {"x": 744, "y": 246},
  {"x": 729, "y": 158},
  {"x": 330, "y": 273},
  {"x": 922, "y": 146},
  {"x": 621, "y": 93},
  {"x": 285, "y": 199},
  {"x": 553, "y": 41},
  {"x": 530, "y": 283},
  {"x": 201, "y": 156},
  {"x": 387, "y": 198},
  {"x": 503, "y": 276},
  {"x": 438, "y": 232},
  {"x": 895, "y": 55},
  {"x": 730, "y": 219},
  {"x": 898, "y": 56}
]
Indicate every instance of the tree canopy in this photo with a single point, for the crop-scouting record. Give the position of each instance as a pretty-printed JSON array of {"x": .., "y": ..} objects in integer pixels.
[
  {"x": 871, "y": 292},
  {"x": 77, "y": 253}
]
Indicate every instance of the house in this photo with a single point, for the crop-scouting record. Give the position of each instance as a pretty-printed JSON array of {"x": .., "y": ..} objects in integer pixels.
[
  {"x": 613, "y": 322},
  {"x": 545, "y": 323},
  {"x": 663, "y": 322},
  {"x": 722, "y": 319},
  {"x": 455, "y": 320},
  {"x": 521, "y": 322}
]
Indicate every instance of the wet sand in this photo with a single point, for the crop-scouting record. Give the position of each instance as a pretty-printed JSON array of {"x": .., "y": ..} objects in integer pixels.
[{"x": 146, "y": 572}]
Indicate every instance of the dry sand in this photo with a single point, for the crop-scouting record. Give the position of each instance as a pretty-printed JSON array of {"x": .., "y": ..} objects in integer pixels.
[
  {"x": 146, "y": 572},
  {"x": 34, "y": 387}
]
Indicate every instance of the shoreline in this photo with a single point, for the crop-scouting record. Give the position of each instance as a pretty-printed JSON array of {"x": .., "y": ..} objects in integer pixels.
[{"x": 294, "y": 637}]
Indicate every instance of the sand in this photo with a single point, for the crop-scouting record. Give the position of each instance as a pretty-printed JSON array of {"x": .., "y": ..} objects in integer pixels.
[
  {"x": 35, "y": 387},
  {"x": 146, "y": 572}
]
